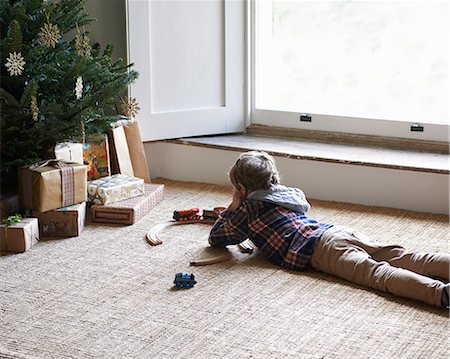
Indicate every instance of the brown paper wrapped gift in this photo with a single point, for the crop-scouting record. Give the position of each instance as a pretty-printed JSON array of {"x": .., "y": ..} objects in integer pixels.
[
  {"x": 19, "y": 237},
  {"x": 63, "y": 222},
  {"x": 127, "y": 151},
  {"x": 130, "y": 210},
  {"x": 51, "y": 185}
]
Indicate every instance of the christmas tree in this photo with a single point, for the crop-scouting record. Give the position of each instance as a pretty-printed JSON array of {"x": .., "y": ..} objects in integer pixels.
[{"x": 55, "y": 84}]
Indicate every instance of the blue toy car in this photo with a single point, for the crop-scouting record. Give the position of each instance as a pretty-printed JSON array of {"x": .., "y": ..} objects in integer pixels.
[{"x": 184, "y": 280}]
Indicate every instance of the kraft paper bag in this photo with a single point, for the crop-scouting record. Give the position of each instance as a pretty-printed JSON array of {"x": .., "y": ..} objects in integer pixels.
[
  {"x": 127, "y": 151},
  {"x": 120, "y": 155},
  {"x": 137, "y": 153}
]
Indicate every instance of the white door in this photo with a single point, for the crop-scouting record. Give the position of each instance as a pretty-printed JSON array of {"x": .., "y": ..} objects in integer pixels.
[{"x": 190, "y": 59}]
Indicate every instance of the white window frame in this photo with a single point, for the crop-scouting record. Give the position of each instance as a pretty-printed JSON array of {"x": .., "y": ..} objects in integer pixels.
[{"x": 320, "y": 122}]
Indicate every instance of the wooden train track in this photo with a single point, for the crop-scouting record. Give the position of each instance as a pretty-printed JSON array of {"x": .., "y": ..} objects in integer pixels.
[{"x": 154, "y": 240}]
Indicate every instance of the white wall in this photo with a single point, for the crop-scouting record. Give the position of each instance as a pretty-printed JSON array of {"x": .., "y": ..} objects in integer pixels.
[
  {"x": 417, "y": 191},
  {"x": 110, "y": 26}
]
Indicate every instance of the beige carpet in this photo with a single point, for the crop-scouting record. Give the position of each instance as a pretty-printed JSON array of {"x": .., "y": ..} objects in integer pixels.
[{"x": 108, "y": 294}]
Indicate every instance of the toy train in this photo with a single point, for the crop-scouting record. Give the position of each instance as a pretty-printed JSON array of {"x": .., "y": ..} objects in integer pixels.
[
  {"x": 187, "y": 214},
  {"x": 194, "y": 214},
  {"x": 184, "y": 280}
]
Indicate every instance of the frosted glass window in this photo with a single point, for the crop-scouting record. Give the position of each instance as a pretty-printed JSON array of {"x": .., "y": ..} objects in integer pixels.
[{"x": 367, "y": 59}]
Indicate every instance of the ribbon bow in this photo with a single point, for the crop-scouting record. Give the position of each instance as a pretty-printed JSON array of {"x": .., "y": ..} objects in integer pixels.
[
  {"x": 51, "y": 163},
  {"x": 16, "y": 218}
]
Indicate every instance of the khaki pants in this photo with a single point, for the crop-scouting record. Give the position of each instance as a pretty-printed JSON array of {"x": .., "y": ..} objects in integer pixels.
[{"x": 342, "y": 252}]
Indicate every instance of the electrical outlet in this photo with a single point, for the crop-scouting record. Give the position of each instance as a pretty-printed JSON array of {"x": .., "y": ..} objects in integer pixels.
[
  {"x": 415, "y": 127},
  {"x": 305, "y": 117}
]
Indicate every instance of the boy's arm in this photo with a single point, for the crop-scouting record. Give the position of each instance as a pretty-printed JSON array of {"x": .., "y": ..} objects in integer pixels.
[
  {"x": 230, "y": 227},
  {"x": 304, "y": 204}
]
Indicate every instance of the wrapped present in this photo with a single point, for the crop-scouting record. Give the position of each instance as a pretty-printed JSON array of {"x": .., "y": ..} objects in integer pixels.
[
  {"x": 127, "y": 151},
  {"x": 19, "y": 237},
  {"x": 52, "y": 184},
  {"x": 69, "y": 152},
  {"x": 130, "y": 210},
  {"x": 96, "y": 156},
  {"x": 63, "y": 222},
  {"x": 114, "y": 188}
]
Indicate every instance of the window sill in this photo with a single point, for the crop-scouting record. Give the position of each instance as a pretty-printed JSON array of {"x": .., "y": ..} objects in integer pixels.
[{"x": 326, "y": 152}]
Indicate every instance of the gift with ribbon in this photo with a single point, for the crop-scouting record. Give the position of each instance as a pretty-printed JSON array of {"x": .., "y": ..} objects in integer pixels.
[
  {"x": 52, "y": 184},
  {"x": 114, "y": 188},
  {"x": 17, "y": 234},
  {"x": 131, "y": 210}
]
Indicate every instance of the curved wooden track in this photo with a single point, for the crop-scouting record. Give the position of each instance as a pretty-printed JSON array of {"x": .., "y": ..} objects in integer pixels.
[{"x": 154, "y": 240}]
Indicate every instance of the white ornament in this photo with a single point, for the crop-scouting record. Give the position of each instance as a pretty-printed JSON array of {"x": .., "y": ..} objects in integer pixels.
[
  {"x": 79, "y": 88},
  {"x": 15, "y": 64}
]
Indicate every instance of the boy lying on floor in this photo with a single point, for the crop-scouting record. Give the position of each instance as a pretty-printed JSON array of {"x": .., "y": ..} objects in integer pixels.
[{"x": 274, "y": 218}]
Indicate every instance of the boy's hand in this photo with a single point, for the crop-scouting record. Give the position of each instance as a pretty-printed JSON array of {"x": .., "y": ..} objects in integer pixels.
[{"x": 237, "y": 200}]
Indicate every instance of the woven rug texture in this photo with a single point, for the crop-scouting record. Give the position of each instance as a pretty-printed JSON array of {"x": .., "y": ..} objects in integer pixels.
[{"x": 109, "y": 294}]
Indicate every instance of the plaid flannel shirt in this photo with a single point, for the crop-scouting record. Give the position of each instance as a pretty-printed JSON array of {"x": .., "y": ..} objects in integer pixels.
[{"x": 286, "y": 237}]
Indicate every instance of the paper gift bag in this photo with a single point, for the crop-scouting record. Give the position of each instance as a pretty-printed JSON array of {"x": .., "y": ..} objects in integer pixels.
[
  {"x": 137, "y": 153},
  {"x": 120, "y": 154},
  {"x": 114, "y": 188},
  {"x": 127, "y": 151},
  {"x": 19, "y": 237},
  {"x": 52, "y": 184},
  {"x": 96, "y": 156},
  {"x": 69, "y": 152},
  {"x": 63, "y": 222},
  {"x": 131, "y": 210}
]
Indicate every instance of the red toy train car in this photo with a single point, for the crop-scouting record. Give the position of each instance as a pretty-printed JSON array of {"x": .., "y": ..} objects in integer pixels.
[
  {"x": 186, "y": 214},
  {"x": 194, "y": 214}
]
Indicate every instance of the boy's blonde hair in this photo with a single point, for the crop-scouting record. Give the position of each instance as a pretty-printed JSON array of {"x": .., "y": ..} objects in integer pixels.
[{"x": 254, "y": 170}]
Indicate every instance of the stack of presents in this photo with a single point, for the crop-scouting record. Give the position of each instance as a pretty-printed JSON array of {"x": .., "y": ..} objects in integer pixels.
[{"x": 57, "y": 194}]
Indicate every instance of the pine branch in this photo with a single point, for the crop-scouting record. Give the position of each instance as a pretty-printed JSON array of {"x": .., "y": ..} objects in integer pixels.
[
  {"x": 30, "y": 90},
  {"x": 8, "y": 99},
  {"x": 14, "y": 37}
]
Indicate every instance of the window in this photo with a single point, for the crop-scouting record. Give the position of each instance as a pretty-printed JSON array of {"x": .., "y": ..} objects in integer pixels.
[{"x": 370, "y": 67}]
